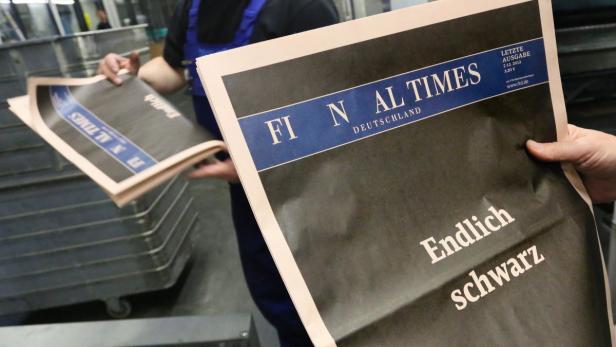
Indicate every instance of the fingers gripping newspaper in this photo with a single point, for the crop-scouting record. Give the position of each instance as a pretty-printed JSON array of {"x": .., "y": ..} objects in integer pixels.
[
  {"x": 128, "y": 139},
  {"x": 385, "y": 162}
]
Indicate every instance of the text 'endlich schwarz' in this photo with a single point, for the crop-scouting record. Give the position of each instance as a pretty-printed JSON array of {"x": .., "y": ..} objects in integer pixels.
[{"x": 469, "y": 232}]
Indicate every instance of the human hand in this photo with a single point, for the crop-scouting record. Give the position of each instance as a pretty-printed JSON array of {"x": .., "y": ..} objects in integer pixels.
[
  {"x": 111, "y": 65},
  {"x": 224, "y": 170},
  {"x": 593, "y": 153}
]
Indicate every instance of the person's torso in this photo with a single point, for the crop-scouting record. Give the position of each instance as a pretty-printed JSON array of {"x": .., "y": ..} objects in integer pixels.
[{"x": 194, "y": 48}]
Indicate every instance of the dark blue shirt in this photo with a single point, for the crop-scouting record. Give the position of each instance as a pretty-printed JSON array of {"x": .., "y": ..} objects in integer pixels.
[{"x": 278, "y": 18}]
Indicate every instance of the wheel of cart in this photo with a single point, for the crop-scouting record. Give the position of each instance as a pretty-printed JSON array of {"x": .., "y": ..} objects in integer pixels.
[{"x": 118, "y": 308}]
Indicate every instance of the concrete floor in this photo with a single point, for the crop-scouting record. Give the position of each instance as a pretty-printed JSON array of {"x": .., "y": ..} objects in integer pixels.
[{"x": 213, "y": 282}]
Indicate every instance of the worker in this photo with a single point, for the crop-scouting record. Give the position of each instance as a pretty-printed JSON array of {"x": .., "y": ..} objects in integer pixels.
[
  {"x": 103, "y": 20},
  {"x": 201, "y": 27},
  {"x": 592, "y": 153}
]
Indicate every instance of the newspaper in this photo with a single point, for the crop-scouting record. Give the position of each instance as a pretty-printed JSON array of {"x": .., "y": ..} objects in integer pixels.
[
  {"x": 128, "y": 139},
  {"x": 385, "y": 162}
]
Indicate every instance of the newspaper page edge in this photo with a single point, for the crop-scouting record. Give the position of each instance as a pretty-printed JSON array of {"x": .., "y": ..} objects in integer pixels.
[
  {"x": 138, "y": 190},
  {"x": 560, "y": 114}
]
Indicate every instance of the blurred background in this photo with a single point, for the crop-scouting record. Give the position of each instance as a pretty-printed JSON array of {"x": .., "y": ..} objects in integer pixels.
[{"x": 68, "y": 255}]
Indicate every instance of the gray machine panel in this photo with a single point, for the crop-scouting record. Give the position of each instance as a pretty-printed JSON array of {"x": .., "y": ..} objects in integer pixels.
[{"x": 234, "y": 330}]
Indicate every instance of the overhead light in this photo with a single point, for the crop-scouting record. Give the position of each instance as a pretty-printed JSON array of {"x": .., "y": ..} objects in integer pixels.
[
  {"x": 56, "y": 2},
  {"x": 30, "y": 1}
]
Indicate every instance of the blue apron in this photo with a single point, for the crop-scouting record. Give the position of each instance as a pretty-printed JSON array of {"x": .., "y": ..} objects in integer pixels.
[
  {"x": 194, "y": 49},
  {"x": 262, "y": 277}
]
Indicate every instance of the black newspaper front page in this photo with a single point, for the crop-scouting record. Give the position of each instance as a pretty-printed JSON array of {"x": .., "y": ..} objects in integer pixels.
[
  {"x": 385, "y": 161},
  {"x": 126, "y": 138}
]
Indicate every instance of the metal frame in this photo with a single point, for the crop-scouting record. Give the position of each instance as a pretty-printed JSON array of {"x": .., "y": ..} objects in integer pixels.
[
  {"x": 55, "y": 14},
  {"x": 229, "y": 330},
  {"x": 108, "y": 5},
  {"x": 15, "y": 23}
]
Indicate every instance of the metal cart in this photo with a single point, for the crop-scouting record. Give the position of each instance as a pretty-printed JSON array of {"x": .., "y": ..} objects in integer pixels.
[{"x": 62, "y": 240}]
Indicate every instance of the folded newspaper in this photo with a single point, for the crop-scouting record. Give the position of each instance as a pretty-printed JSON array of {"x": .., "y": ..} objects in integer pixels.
[
  {"x": 128, "y": 139},
  {"x": 385, "y": 162}
]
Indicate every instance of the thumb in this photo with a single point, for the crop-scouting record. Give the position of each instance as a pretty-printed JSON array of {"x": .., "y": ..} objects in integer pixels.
[
  {"x": 134, "y": 63},
  {"x": 554, "y": 151}
]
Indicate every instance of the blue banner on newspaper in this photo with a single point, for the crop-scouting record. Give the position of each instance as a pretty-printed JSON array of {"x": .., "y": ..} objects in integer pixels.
[
  {"x": 307, "y": 128},
  {"x": 98, "y": 132}
]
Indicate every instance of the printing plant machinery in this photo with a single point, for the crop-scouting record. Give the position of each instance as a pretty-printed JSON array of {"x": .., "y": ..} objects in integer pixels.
[{"x": 587, "y": 57}]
